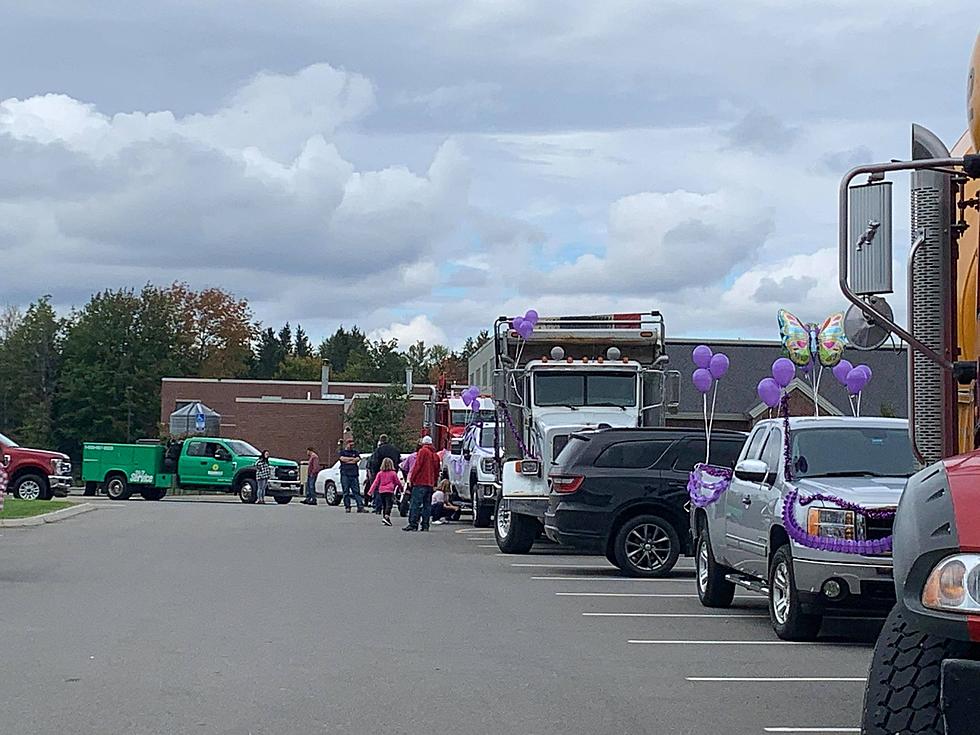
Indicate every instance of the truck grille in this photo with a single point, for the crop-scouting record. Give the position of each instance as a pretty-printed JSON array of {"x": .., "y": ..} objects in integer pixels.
[
  {"x": 286, "y": 473},
  {"x": 878, "y": 528}
]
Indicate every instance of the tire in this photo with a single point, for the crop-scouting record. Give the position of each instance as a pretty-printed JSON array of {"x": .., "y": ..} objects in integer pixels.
[
  {"x": 646, "y": 546},
  {"x": 246, "y": 490},
  {"x": 91, "y": 488},
  {"x": 283, "y": 499},
  {"x": 515, "y": 533},
  {"x": 902, "y": 694},
  {"x": 330, "y": 494},
  {"x": 785, "y": 611},
  {"x": 155, "y": 493},
  {"x": 713, "y": 589},
  {"x": 482, "y": 512},
  {"x": 31, "y": 487},
  {"x": 117, "y": 488}
]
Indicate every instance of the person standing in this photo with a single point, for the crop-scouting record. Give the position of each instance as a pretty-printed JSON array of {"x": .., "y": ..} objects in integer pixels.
[
  {"x": 422, "y": 479},
  {"x": 263, "y": 473},
  {"x": 384, "y": 486},
  {"x": 385, "y": 450},
  {"x": 312, "y": 470},
  {"x": 350, "y": 476}
]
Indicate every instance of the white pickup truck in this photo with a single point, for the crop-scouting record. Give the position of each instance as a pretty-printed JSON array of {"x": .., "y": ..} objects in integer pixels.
[
  {"x": 743, "y": 538},
  {"x": 471, "y": 467}
]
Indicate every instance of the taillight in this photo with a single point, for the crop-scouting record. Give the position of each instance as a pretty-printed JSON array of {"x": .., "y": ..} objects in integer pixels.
[{"x": 565, "y": 484}]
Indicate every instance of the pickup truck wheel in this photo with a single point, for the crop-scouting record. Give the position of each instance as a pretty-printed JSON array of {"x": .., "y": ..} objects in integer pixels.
[
  {"x": 646, "y": 546},
  {"x": 785, "y": 611},
  {"x": 246, "y": 490},
  {"x": 902, "y": 694},
  {"x": 31, "y": 487},
  {"x": 330, "y": 493},
  {"x": 713, "y": 589},
  {"x": 482, "y": 511},
  {"x": 117, "y": 488},
  {"x": 515, "y": 533},
  {"x": 283, "y": 499},
  {"x": 155, "y": 493}
]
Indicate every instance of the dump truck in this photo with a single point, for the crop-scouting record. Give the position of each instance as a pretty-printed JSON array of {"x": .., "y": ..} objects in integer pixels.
[
  {"x": 152, "y": 468},
  {"x": 571, "y": 373}
]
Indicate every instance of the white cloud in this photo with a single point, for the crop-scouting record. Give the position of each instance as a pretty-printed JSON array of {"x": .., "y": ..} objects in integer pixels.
[{"x": 407, "y": 333}]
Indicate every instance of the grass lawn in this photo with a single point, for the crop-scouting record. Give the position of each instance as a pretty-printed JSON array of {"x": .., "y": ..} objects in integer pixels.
[{"x": 14, "y": 508}]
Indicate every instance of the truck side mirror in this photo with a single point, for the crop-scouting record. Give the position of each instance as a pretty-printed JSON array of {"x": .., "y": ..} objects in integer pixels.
[
  {"x": 751, "y": 470},
  {"x": 672, "y": 390}
]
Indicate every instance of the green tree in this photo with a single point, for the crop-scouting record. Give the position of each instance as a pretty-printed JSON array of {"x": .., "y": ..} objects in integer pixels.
[
  {"x": 339, "y": 349},
  {"x": 388, "y": 363},
  {"x": 302, "y": 343},
  {"x": 295, "y": 367},
  {"x": 269, "y": 354},
  {"x": 286, "y": 339},
  {"x": 29, "y": 364},
  {"x": 380, "y": 413},
  {"x": 473, "y": 344}
]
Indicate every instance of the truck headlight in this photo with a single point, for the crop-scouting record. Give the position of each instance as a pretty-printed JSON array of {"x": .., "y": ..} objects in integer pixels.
[
  {"x": 831, "y": 523},
  {"x": 55, "y": 466},
  {"x": 954, "y": 585},
  {"x": 488, "y": 465}
]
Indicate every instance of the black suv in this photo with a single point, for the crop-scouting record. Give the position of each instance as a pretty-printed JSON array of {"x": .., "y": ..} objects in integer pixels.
[{"x": 623, "y": 493}]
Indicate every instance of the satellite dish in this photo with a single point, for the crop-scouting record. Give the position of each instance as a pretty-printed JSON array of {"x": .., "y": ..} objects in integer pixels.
[{"x": 864, "y": 333}]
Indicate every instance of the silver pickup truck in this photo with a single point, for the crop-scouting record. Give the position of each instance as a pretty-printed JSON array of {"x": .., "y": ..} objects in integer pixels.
[{"x": 742, "y": 539}]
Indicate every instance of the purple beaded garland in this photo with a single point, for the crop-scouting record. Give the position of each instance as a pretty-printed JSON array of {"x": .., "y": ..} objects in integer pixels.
[{"x": 696, "y": 486}]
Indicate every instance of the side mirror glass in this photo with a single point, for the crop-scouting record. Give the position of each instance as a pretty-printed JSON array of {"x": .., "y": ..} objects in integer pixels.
[
  {"x": 751, "y": 470},
  {"x": 672, "y": 391}
]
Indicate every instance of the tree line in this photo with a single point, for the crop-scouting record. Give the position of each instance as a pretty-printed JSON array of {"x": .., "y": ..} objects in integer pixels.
[{"x": 96, "y": 372}]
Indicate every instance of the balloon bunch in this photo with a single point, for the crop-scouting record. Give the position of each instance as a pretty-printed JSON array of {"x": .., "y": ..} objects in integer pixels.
[
  {"x": 524, "y": 325},
  {"x": 853, "y": 378},
  {"x": 471, "y": 398},
  {"x": 707, "y": 483},
  {"x": 771, "y": 390}
]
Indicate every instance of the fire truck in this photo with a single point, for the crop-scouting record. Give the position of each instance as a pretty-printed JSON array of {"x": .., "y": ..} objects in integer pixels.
[{"x": 925, "y": 674}]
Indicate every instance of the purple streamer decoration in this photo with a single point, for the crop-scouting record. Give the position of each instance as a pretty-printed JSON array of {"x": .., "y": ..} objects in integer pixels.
[
  {"x": 525, "y": 452},
  {"x": 787, "y": 451},
  {"x": 703, "y": 493},
  {"x": 822, "y": 543}
]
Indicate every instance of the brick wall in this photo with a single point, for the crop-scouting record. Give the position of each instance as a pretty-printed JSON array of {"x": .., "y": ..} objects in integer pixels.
[{"x": 284, "y": 417}]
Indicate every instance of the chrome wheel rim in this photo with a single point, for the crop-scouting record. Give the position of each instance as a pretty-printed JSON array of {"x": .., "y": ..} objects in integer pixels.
[
  {"x": 114, "y": 489},
  {"x": 29, "y": 490},
  {"x": 331, "y": 493},
  {"x": 702, "y": 563},
  {"x": 503, "y": 522},
  {"x": 247, "y": 490},
  {"x": 648, "y": 547},
  {"x": 780, "y": 593}
]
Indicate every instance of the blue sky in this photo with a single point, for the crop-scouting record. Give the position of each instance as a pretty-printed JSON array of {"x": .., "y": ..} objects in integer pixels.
[{"x": 418, "y": 168}]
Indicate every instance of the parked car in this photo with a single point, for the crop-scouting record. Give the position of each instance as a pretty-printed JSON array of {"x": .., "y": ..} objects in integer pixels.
[
  {"x": 328, "y": 481},
  {"x": 34, "y": 474},
  {"x": 471, "y": 468},
  {"x": 623, "y": 493},
  {"x": 741, "y": 539}
]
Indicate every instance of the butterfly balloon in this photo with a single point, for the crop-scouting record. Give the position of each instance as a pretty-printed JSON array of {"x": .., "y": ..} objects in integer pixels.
[{"x": 809, "y": 343}]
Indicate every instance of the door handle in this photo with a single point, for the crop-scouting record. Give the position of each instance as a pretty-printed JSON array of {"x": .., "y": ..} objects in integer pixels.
[{"x": 746, "y": 501}]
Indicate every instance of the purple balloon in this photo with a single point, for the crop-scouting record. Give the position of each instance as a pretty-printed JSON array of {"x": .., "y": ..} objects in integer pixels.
[
  {"x": 718, "y": 365},
  {"x": 856, "y": 380},
  {"x": 516, "y": 323},
  {"x": 475, "y": 405},
  {"x": 702, "y": 356},
  {"x": 769, "y": 392},
  {"x": 467, "y": 398},
  {"x": 702, "y": 380},
  {"x": 525, "y": 329},
  {"x": 783, "y": 371},
  {"x": 532, "y": 317},
  {"x": 841, "y": 370},
  {"x": 866, "y": 369}
]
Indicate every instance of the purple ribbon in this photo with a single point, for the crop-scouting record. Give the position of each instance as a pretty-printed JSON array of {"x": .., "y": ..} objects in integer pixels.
[
  {"x": 704, "y": 493},
  {"x": 525, "y": 452},
  {"x": 823, "y": 543}
]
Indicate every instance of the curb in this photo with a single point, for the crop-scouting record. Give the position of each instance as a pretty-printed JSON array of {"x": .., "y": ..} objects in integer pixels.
[{"x": 54, "y": 517}]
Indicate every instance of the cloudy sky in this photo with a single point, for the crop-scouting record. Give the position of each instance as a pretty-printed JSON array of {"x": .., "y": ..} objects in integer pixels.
[{"x": 420, "y": 167}]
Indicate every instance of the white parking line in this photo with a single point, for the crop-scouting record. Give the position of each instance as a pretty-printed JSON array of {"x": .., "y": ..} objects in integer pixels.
[
  {"x": 473, "y": 530},
  {"x": 636, "y": 594},
  {"x": 486, "y": 546},
  {"x": 684, "y": 580},
  {"x": 566, "y": 566},
  {"x": 778, "y": 679},
  {"x": 813, "y": 729},
  {"x": 670, "y": 615},
  {"x": 737, "y": 643}
]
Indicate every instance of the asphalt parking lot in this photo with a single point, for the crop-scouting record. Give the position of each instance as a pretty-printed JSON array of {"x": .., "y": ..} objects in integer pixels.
[{"x": 209, "y": 616}]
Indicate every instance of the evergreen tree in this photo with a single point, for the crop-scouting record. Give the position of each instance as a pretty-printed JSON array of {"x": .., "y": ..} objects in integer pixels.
[{"x": 302, "y": 342}]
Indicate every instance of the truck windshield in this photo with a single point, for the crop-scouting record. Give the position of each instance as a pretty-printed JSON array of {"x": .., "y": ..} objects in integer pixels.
[
  {"x": 243, "y": 449},
  {"x": 486, "y": 437},
  {"x": 462, "y": 418},
  {"x": 7, "y": 441},
  {"x": 853, "y": 452},
  {"x": 585, "y": 389}
]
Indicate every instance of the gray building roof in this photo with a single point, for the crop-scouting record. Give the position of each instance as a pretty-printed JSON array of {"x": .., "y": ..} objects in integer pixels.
[{"x": 751, "y": 361}]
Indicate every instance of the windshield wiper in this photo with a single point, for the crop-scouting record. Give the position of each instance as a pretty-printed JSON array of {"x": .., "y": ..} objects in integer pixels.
[{"x": 609, "y": 405}]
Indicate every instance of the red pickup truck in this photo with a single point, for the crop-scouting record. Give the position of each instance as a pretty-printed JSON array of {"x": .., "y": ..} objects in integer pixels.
[{"x": 34, "y": 474}]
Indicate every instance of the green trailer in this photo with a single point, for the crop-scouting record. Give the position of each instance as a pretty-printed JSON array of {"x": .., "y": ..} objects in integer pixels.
[{"x": 199, "y": 463}]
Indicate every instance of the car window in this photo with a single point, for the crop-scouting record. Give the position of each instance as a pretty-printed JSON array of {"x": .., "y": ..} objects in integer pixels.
[
  {"x": 633, "y": 454},
  {"x": 575, "y": 446},
  {"x": 773, "y": 450},
  {"x": 196, "y": 449},
  {"x": 755, "y": 445},
  {"x": 725, "y": 453},
  {"x": 689, "y": 452}
]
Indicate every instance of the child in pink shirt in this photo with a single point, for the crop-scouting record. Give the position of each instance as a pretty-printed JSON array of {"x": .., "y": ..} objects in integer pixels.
[{"x": 385, "y": 483}]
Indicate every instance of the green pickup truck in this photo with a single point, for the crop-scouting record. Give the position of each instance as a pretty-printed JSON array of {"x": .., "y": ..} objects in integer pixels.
[{"x": 203, "y": 463}]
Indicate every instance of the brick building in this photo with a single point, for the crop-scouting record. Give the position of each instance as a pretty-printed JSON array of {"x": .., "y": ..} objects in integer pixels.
[{"x": 283, "y": 416}]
